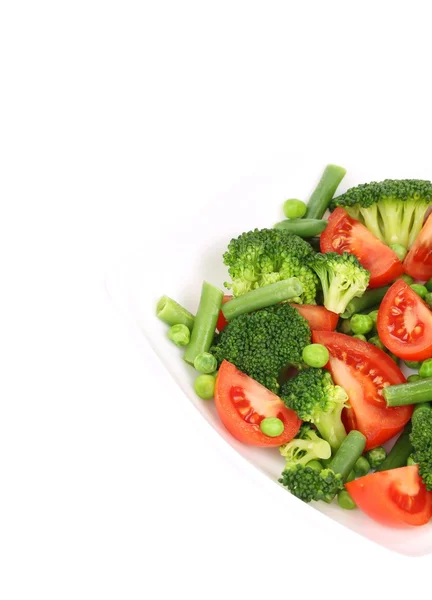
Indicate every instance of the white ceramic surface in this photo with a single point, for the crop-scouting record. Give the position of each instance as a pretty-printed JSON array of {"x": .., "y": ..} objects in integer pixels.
[{"x": 197, "y": 245}]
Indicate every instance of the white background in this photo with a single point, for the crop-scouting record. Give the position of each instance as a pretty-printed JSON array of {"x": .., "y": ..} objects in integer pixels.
[{"x": 117, "y": 118}]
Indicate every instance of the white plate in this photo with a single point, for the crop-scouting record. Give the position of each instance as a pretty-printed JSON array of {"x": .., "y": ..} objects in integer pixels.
[{"x": 197, "y": 246}]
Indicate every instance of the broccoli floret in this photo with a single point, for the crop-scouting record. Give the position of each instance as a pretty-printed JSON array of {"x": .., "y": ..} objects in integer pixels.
[
  {"x": 263, "y": 342},
  {"x": 421, "y": 440},
  {"x": 315, "y": 398},
  {"x": 264, "y": 256},
  {"x": 393, "y": 210},
  {"x": 306, "y": 446},
  {"x": 342, "y": 279}
]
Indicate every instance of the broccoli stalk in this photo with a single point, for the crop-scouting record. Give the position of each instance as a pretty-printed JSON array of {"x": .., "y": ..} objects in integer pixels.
[
  {"x": 393, "y": 210},
  {"x": 307, "y": 446},
  {"x": 421, "y": 440},
  {"x": 342, "y": 278},
  {"x": 314, "y": 397}
]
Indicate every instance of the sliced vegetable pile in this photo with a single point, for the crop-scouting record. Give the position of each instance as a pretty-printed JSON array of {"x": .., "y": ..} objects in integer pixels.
[{"x": 305, "y": 351}]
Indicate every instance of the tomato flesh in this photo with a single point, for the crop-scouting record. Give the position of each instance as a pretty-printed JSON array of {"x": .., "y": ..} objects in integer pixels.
[
  {"x": 418, "y": 261},
  {"x": 345, "y": 234},
  {"x": 242, "y": 403},
  {"x": 363, "y": 370},
  {"x": 404, "y": 323},
  {"x": 395, "y": 498},
  {"x": 222, "y": 322},
  {"x": 318, "y": 317}
]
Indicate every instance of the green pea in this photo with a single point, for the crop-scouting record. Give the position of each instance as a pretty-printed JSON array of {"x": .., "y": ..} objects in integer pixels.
[
  {"x": 411, "y": 462},
  {"x": 374, "y": 316},
  {"x": 294, "y": 209},
  {"x": 315, "y": 355},
  {"x": 272, "y": 426},
  {"x": 411, "y": 378},
  {"x": 428, "y": 299},
  {"x": 376, "y": 342},
  {"x": 376, "y": 456},
  {"x": 345, "y": 326},
  {"x": 419, "y": 289},
  {"x": 428, "y": 285},
  {"x": 345, "y": 501},
  {"x": 399, "y": 250},
  {"x": 361, "y": 324},
  {"x": 205, "y": 363},
  {"x": 204, "y": 386},
  {"x": 407, "y": 278},
  {"x": 315, "y": 464},
  {"x": 359, "y": 336},
  {"x": 179, "y": 334},
  {"x": 426, "y": 368},
  {"x": 413, "y": 364},
  {"x": 362, "y": 467}
]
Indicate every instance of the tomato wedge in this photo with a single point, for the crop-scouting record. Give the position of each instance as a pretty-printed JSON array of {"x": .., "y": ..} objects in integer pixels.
[
  {"x": 222, "y": 322},
  {"x": 404, "y": 323},
  {"x": 363, "y": 370},
  {"x": 418, "y": 261},
  {"x": 318, "y": 317},
  {"x": 242, "y": 403},
  {"x": 344, "y": 234},
  {"x": 396, "y": 498}
]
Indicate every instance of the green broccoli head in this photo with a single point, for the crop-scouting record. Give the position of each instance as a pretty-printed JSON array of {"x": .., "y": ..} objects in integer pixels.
[
  {"x": 315, "y": 398},
  {"x": 342, "y": 278},
  {"x": 263, "y": 342},
  {"x": 421, "y": 440},
  {"x": 310, "y": 484},
  {"x": 306, "y": 446},
  {"x": 264, "y": 256},
  {"x": 394, "y": 209}
]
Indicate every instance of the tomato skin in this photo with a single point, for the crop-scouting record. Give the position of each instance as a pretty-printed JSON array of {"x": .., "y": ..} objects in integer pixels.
[
  {"x": 413, "y": 312},
  {"x": 345, "y": 234},
  {"x": 363, "y": 370},
  {"x": 418, "y": 261},
  {"x": 396, "y": 498},
  {"x": 231, "y": 383},
  {"x": 318, "y": 317},
  {"x": 222, "y": 322}
]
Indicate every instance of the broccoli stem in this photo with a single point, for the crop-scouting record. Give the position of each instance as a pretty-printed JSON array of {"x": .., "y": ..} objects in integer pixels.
[
  {"x": 331, "y": 428},
  {"x": 349, "y": 452},
  {"x": 398, "y": 455},
  {"x": 305, "y": 228},
  {"x": 271, "y": 294},
  {"x": 365, "y": 302},
  {"x": 324, "y": 191},
  {"x": 414, "y": 392},
  {"x": 205, "y": 322},
  {"x": 172, "y": 313}
]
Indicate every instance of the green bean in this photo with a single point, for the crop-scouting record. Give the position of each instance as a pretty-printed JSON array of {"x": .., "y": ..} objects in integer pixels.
[
  {"x": 345, "y": 326},
  {"x": 324, "y": 191},
  {"x": 365, "y": 302},
  {"x": 398, "y": 455},
  {"x": 345, "y": 501},
  {"x": 348, "y": 454},
  {"x": 407, "y": 278},
  {"x": 404, "y": 394},
  {"x": 172, "y": 313},
  {"x": 413, "y": 364},
  {"x": 377, "y": 342},
  {"x": 287, "y": 289},
  {"x": 413, "y": 377},
  {"x": 362, "y": 467},
  {"x": 428, "y": 285},
  {"x": 305, "y": 228},
  {"x": 428, "y": 299},
  {"x": 205, "y": 322},
  {"x": 419, "y": 289},
  {"x": 399, "y": 250}
]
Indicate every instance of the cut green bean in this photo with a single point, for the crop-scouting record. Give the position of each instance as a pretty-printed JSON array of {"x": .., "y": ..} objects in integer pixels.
[
  {"x": 345, "y": 501},
  {"x": 324, "y": 191},
  {"x": 398, "y": 455},
  {"x": 405, "y": 394},
  {"x": 407, "y": 278},
  {"x": 411, "y": 364},
  {"x": 413, "y": 377},
  {"x": 362, "y": 467},
  {"x": 428, "y": 285},
  {"x": 365, "y": 302},
  {"x": 348, "y": 454},
  {"x": 205, "y": 322},
  {"x": 172, "y": 313},
  {"x": 287, "y": 289},
  {"x": 428, "y": 299},
  {"x": 305, "y": 228},
  {"x": 419, "y": 289}
]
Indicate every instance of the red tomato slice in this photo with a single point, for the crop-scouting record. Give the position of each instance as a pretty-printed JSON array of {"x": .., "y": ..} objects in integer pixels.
[
  {"x": 242, "y": 403},
  {"x": 222, "y": 322},
  {"x": 396, "y": 498},
  {"x": 418, "y": 261},
  {"x": 404, "y": 323},
  {"x": 363, "y": 370},
  {"x": 344, "y": 234},
  {"x": 318, "y": 317}
]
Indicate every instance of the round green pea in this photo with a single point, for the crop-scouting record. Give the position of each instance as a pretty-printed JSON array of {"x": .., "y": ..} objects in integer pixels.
[
  {"x": 376, "y": 456},
  {"x": 294, "y": 209},
  {"x": 426, "y": 368},
  {"x": 345, "y": 501},
  {"x": 428, "y": 299},
  {"x": 376, "y": 342},
  {"x": 361, "y": 324},
  {"x": 205, "y": 363},
  {"x": 204, "y": 386},
  {"x": 345, "y": 326},
  {"x": 428, "y": 285},
  {"x": 413, "y": 364},
  {"x": 272, "y": 426},
  {"x": 179, "y": 334},
  {"x": 362, "y": 467},
  {"x": 411, "y": 378},
  {"x": 374, "y": 316},
  {"x": 399, "y": 250},
  {"x": 360, "y": 336},
  {"x": 315, "y": 355},
  {"x": 419, "y": 289},
  {"x": 407, "y": 278}
]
